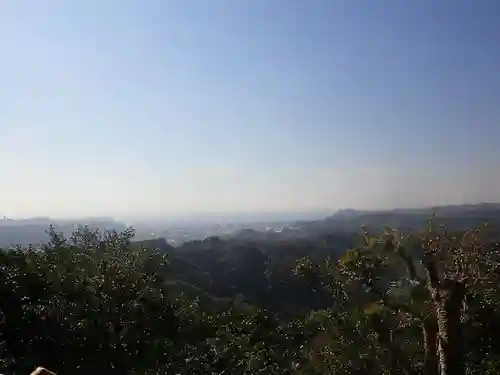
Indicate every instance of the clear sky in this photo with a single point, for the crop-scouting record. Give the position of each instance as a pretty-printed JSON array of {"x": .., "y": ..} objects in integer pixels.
[{"x": 163, "y": 107}]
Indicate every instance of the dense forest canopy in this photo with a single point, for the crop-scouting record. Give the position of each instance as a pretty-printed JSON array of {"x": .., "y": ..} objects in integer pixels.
[{"x": 352, "y": 300}]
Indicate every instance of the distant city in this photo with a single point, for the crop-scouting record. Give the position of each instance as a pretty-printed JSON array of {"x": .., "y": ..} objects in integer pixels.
[
  {"x": 251, "y": 226},
  {"x": 175, "y": 231},
  {"x": 197, "y": 227}
]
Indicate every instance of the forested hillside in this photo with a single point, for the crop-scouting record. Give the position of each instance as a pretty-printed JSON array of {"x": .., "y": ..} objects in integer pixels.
[{"x": 367, "y": 301}]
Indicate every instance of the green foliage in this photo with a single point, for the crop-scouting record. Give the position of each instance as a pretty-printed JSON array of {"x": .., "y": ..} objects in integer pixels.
[
  {"x": 96, "y": 302},
  {"x": 99, "y": 302}
]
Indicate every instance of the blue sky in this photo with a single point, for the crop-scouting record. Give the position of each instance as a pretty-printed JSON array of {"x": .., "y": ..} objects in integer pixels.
[{"x": 159, "y": 107}]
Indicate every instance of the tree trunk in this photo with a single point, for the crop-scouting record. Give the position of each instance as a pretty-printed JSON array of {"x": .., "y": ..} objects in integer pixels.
[
  {"x": 430, "y": 331},
  {"x": 449, "y": 302}
]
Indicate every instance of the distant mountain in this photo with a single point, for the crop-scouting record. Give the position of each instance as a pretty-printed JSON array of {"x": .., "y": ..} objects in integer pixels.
[
  {"x": 406, "y": 219},
  {"x": 455, "y": 216},
  {"x": 448, "y": 210}
]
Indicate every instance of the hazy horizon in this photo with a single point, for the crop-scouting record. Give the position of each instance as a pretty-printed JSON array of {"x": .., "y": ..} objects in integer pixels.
[
  {"x": 164, "y": 108},
  {"x": 235, "y": 217},
  {"x": 195, "y": 217}
]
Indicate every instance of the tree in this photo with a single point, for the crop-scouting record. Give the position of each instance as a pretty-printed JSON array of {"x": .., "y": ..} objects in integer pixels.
[{"x": 425, "y": 280}]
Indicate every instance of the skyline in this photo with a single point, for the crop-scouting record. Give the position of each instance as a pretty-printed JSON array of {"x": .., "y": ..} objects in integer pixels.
[{"x": 165, "y": 108}]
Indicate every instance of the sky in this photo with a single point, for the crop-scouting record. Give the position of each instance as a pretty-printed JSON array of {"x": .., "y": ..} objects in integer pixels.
[{"x": 169, "y": 107}]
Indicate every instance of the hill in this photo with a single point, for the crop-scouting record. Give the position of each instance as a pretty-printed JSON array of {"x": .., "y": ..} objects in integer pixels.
[
  {"x": 333, "y": 302},
  {"x": 456, "y": 217}
]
